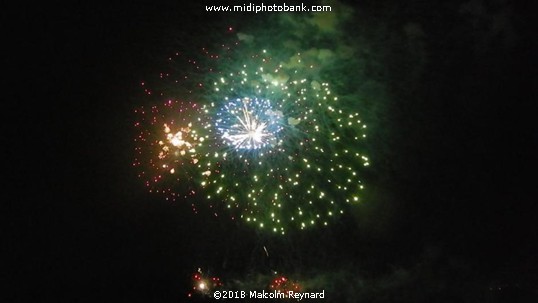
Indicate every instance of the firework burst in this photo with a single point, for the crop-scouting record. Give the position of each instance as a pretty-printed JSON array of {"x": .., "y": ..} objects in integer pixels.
[
  {"x": 248, "y": 124},
  {"x": 167, "y": 143},
  {"x": 285, "y": 152},
  {"x": 269, "y": 141}
]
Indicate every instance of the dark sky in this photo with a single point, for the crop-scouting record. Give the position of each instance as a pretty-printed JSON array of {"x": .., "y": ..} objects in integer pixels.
[{"x": 460, "y": 177}]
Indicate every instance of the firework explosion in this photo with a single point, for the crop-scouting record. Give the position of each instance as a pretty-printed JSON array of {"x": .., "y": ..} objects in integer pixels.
[
  {"x": 167, "y": 141},
  {"x": 204, "y": 285},
  {"x": 278, "y": 149},
  {"x": 248, "y": 124},
  {"x": 285, "y": 285},
  {"x": 286, "y": 154}
]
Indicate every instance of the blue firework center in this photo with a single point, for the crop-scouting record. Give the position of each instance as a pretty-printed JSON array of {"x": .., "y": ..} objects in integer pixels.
[{"x": 249, "y": 124}]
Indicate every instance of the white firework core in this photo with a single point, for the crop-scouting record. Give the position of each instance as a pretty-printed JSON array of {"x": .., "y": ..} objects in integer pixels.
[{"x": 248, "y": 124}]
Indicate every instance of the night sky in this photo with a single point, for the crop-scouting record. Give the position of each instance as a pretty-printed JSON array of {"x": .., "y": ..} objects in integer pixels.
[{"x": 449, "y": 214}]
